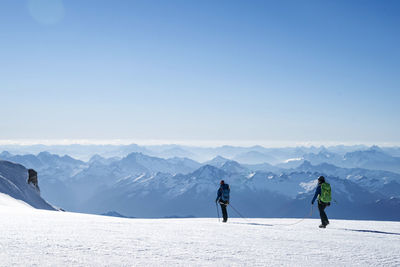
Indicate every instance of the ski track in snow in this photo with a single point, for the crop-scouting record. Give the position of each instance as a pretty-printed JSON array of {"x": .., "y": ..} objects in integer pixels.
[{"x": 50, "y": 238}]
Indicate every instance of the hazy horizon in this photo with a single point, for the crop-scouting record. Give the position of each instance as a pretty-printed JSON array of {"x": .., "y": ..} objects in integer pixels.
[{"x": 194, "y": 143}]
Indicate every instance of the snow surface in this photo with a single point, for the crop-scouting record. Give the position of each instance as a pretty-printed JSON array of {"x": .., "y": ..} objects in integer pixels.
[
  {"x": 41, "y": 237},
  {"x": 7, "y": 202}
]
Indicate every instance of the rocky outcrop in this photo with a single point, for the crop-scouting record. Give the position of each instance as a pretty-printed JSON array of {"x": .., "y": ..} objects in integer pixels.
[
  {"x": 32, "y": 179},
  {"x": 20, "y": 183}
]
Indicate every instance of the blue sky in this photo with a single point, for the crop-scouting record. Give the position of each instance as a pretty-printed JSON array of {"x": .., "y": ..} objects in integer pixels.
[{"x": 259, "y": 71}]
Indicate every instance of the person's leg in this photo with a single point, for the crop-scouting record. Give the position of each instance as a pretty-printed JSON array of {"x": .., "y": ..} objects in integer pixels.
[
  {"x": 326, "y": 216},
  {"x": 224, "y": 212},
  {"x": 322, "y": 214},
  {"x": 321, "y": 210}
]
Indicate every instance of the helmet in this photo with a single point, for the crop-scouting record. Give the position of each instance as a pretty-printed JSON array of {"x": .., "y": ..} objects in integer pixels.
[{"x": 321, "y": 179}]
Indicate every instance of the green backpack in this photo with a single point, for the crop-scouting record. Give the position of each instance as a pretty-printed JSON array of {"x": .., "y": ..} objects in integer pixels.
[{"x": 325, "y": 193}]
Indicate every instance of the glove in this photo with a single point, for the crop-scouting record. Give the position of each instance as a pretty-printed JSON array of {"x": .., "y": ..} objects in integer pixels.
[{"x": 312, "y": 202}]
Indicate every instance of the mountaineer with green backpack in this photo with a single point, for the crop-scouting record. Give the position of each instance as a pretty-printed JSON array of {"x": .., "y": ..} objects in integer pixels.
[{"x": 323, "y": 192}]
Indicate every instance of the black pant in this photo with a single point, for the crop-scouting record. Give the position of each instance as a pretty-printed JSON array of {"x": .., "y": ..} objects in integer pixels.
[
  {"x": 322, "y": 214},
  {"x": 223, "y": 208}
]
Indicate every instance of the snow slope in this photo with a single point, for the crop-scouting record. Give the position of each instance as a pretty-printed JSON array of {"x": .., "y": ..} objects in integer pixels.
[
  {"x": 51, "y": 238},
  {"x": 7, "y": 202}
]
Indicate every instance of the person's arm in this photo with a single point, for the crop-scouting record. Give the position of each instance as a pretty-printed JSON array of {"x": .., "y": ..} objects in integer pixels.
[
  {"x": 219, "y": 193},
  {"x": 317, "y": 192}
]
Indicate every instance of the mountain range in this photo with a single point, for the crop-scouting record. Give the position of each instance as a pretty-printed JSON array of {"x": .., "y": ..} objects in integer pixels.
[{"x": 140, "y": 185}]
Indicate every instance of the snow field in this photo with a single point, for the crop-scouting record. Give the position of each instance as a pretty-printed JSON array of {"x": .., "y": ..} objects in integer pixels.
[{"x": 49, "y": 238}]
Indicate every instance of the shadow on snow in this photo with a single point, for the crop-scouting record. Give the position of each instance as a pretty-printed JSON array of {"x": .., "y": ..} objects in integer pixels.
[
  {"x": 371, "y": 231},
  {"x": 249, "y": 223}
]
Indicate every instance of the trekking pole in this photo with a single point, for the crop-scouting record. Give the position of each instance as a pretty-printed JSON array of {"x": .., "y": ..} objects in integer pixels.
[{"x": 216, "y": 205}]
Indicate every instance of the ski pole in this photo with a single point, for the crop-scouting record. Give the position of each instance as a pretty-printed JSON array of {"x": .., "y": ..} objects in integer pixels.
[{"x": 216, "y": 205}]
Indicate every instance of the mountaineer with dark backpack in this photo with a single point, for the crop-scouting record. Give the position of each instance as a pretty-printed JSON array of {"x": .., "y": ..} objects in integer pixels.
[
  {"x": 323, "y": 192},
  {"x": 223, "y": 199}
]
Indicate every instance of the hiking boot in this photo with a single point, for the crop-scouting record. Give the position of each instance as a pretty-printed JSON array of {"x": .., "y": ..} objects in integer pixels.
[{"x": 322, "y": 226}]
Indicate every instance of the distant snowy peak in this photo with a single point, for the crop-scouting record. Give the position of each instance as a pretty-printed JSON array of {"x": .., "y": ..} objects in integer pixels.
[
  {"x": 373, "y": 158},
  {"x": 96, "y": 157},
  {"x": 139, "y": 163},
  {"x": 255, "y": 157},
  {"x": 49, "y": 158},
  {"x": 218, "y": 161},
  {"x": 99, "y": 160},
  {"x": 184, "y": 162},
  {"x": 234, "y": 167},
  {"x": 175, "y": 151},
  {"x": 14, "y": 182},
  {"x": 323, "y": 167},
  {"x": 209, "y": 172},
  {"x": 367, "y": 155},
  {"x": 5, "y": 154},
  {"x": 42, "y": 160}
]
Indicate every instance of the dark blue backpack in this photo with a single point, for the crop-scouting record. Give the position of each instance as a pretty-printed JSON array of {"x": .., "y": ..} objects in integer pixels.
[{"x": 225, "y": 192}]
